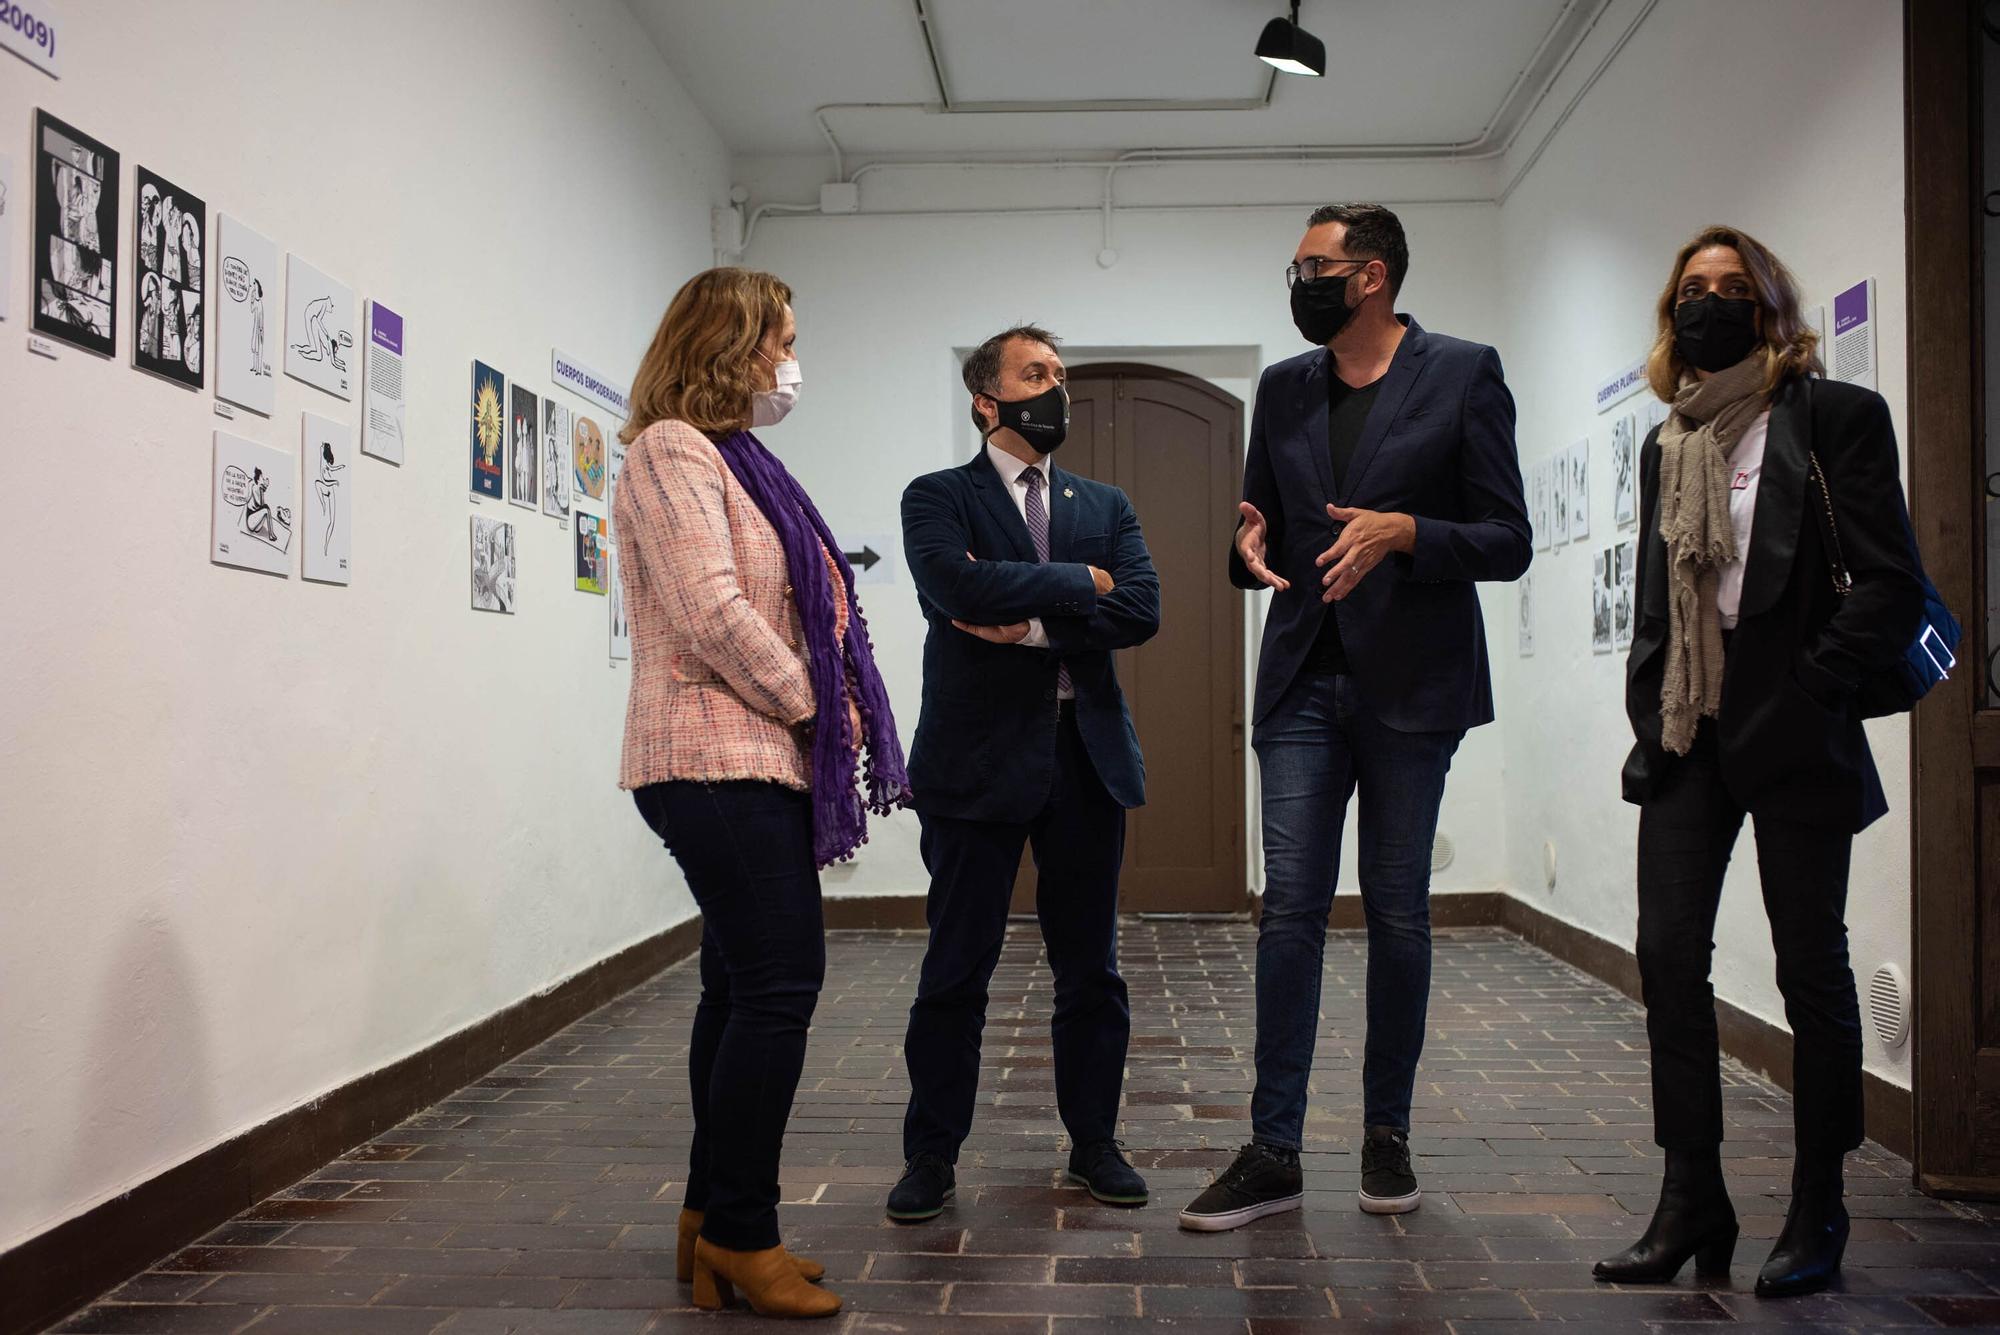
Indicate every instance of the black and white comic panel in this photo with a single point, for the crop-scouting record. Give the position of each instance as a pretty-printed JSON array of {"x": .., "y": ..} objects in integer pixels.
[{"x": 76, "y": 236}]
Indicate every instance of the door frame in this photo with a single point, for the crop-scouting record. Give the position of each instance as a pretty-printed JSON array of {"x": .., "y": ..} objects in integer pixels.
[{"x": 1950, "y": 735}]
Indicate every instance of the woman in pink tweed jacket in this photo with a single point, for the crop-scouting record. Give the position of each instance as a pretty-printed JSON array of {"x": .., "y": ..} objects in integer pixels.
[{"x": 754, "y": 698}]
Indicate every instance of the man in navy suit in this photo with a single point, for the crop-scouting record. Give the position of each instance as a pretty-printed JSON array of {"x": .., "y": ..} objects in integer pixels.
[
  {"x": 1030, "y": 577},
  {"x": 1380, "y": 484}
]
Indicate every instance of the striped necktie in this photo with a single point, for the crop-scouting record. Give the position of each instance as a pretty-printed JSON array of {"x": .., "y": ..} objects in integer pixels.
[{"x": 1038, "y": 529}]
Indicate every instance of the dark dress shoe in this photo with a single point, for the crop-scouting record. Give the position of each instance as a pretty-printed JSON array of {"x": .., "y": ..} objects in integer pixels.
[
  {"x": 1693, "y": 1219},
  {"x": 1807, "y": 1257},
  {"x": 1101, "y": 1166},
  {"x": 927, "y": 1183}
]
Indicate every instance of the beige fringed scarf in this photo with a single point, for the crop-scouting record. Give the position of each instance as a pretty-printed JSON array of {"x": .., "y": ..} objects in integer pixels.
[{"x": 1709, "y": 417}]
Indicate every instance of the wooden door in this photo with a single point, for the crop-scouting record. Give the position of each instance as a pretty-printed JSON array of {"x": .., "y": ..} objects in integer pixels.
[
  {"x": 1953, "y": 84},
  {"x": 1175, "y": 445}
]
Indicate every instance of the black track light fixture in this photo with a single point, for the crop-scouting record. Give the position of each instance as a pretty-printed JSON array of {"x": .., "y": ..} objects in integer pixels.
[{"x": 1288, "y": 47}]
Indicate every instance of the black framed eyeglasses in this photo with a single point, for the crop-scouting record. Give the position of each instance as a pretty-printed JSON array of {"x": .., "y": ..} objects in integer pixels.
[{"x": 1314, "y": 266}]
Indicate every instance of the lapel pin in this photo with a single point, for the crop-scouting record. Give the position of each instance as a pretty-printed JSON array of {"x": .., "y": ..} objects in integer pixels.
[{"x": 1068, "y": 492}]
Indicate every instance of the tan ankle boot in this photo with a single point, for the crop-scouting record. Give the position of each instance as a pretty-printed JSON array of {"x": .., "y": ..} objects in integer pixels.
[
  {"x": 767, "y": 1279},
  {"x": 690, "y": 1229}
]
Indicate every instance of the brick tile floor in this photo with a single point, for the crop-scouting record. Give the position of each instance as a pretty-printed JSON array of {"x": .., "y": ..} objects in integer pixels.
[{"x": 543, "y": 1197}]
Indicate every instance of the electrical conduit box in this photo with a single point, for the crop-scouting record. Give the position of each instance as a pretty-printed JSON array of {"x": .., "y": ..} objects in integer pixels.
[{"x": 840, "y": 197}]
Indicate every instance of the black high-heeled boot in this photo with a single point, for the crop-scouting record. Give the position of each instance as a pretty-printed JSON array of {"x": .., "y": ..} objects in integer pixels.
[
  {"x": 1693, "y": 1219},
  {"x": 1809, "y": 1248}
]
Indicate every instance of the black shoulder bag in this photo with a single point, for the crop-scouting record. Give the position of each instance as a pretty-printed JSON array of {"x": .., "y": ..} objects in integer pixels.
[{"x": 1934, "y": 653}]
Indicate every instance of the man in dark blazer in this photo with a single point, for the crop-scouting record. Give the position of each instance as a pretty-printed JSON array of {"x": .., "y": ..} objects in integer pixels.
[
  {"x": 1030, "y": 577},
  {"x": 1381, "y": 483}
]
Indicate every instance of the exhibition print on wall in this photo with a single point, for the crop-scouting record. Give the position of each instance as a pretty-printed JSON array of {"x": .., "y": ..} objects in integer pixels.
[
  {"x": 555, "y": 459},
  {"x": 246, "y": 305},
  {"x": 169, "y": 227},
  {"x": 319, "y": 329},
  {"x": 488, "y": 430},
  {"x": 76, "y": 237},
  {"x": 587, "y": 458},
  {"x": 1624, "y": 472},
  {"x": 251, "y": 517},
  {"x": 1601, "y": 575},
  {"x": 492, "y": 565},
  {"x": 524, "y": 456},
  {"x": 1624, "y": 585},
  {"x": 10, "y": 205},
  {"x": 590, "y": 572},
  {"x": 621, "y": 629},
  {"x": 326, "y": 537},
  {"x": 1577, "y": 470}
]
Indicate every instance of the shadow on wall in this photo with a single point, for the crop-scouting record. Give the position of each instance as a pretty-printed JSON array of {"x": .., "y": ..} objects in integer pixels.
[{"x": 147, "y": 1073}]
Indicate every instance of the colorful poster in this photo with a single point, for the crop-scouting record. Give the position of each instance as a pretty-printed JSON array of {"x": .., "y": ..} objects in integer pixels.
[
  {"x": 319, "y": 329},
  {"x": 246, "y": 304},
  {"x": 326, "y": 537},
  {"x": 251, "y": 514},
  {"x": 587, "y": 458},
  {"x": 524, "y": 455},
  {"x": 169, "y": 228},
  {"x": 383, "y": 406},
  {"x": 590, "y": 572},
  {"x": 555, "y": 459},
  {"x": 76, "y": 237},
  {"x": 492, "y": 565},
  {"x": 621, "y": 629},
  {"x": 488, "y": 430}
]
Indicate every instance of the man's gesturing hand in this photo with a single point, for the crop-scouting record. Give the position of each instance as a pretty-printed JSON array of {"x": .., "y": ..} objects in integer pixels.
[
  {"x": 1250, "y": 546},
  {"x": 1367, "y": 537}
]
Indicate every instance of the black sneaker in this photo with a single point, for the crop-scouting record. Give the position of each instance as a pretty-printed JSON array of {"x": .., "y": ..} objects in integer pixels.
[
  {"x": 1263, "y": 1180},
  {"x": 1101, "y": 1166},
  {"x": 1387, "y": 1184},
  {"x": 927, "y": 1183}
]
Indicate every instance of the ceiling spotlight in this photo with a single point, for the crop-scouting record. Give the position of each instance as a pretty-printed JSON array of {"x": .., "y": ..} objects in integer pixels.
[{"x": 1288, "y": 47}]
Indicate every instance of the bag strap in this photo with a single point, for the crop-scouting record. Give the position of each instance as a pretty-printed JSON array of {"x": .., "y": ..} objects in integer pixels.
[{"x": 1843, "y": 582}]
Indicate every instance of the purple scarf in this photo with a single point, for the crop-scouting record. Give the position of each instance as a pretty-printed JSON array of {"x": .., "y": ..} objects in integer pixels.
[{"x": 840, "y": 815}]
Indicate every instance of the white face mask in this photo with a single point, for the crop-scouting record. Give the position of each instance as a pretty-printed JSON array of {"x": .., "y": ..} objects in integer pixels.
[{"x": 769, "y": 406}]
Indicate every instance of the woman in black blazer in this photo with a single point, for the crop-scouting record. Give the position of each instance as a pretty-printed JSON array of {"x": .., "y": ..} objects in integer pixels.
[{"x": 1741, "y": 688}]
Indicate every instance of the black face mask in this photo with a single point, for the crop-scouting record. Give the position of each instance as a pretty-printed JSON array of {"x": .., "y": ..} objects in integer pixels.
[
  {"x": 1320, "y": 309},
  {"x": 1713, "y": 333},
  {"x": 1042, "y": 421}
]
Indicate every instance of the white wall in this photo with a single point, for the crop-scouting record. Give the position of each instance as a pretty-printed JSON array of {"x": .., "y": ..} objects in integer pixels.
[
  {"x": 262, "y": 836},
  {"x": 1785, "y": 119},
  {"x": 883, "y": 302}
]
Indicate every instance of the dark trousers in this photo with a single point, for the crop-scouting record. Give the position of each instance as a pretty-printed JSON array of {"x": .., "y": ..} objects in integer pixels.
[
  {"x": 1686, "y": 833},
  {"x": 746, "y": 850},
  {"x": 1079, "y": 844},
  {"x": 1313, "y": 752}
]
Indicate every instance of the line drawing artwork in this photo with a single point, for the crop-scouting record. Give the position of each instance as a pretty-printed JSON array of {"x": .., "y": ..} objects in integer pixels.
[
  {"x": 8, "y": 209},
  {"x": 319, "y": 328},
  {"x": 246, "y": 282},
  {"x": 487, "y": 430},
  {"x": 327, "y": 447},
  {"x": 76, "y": 236},
  {"x": 1600, "y": 601},
  {"x": 252, "y": 519},
  {"x": 587, "y": 455},
  {"x": 1624, "y": 607},
  {"x": 492, "y": 565},
  {"x": 621, "y": 628},
  {"x": 590, "y": 574},
  {"x": 1577, "y": 479},
  {"x": 169, "y": 223},
  {"x": 1525, "y": 613},
  {"x": 555, "y": 459},
  {"x": 1624, "y": 473},
  {"x": 1558, "y": 470},
  {"x": 524, "y": 422}
]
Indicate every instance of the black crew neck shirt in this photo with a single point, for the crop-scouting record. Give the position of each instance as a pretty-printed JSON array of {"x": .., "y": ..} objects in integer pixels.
[{"x": 1347, "y": 411}]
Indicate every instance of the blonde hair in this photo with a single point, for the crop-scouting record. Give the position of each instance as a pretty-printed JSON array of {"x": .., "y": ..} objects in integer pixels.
[
  {"x": 700, "y": 367},
  {"x": 1790, "y": 344}
]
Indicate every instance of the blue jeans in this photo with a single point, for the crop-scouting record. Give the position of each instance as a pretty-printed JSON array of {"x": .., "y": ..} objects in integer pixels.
[{"x": 1314, "y": 751}]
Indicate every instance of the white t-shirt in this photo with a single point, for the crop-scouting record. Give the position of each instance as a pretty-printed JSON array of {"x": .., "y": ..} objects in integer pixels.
[{"x": 1746, "y": 467}]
